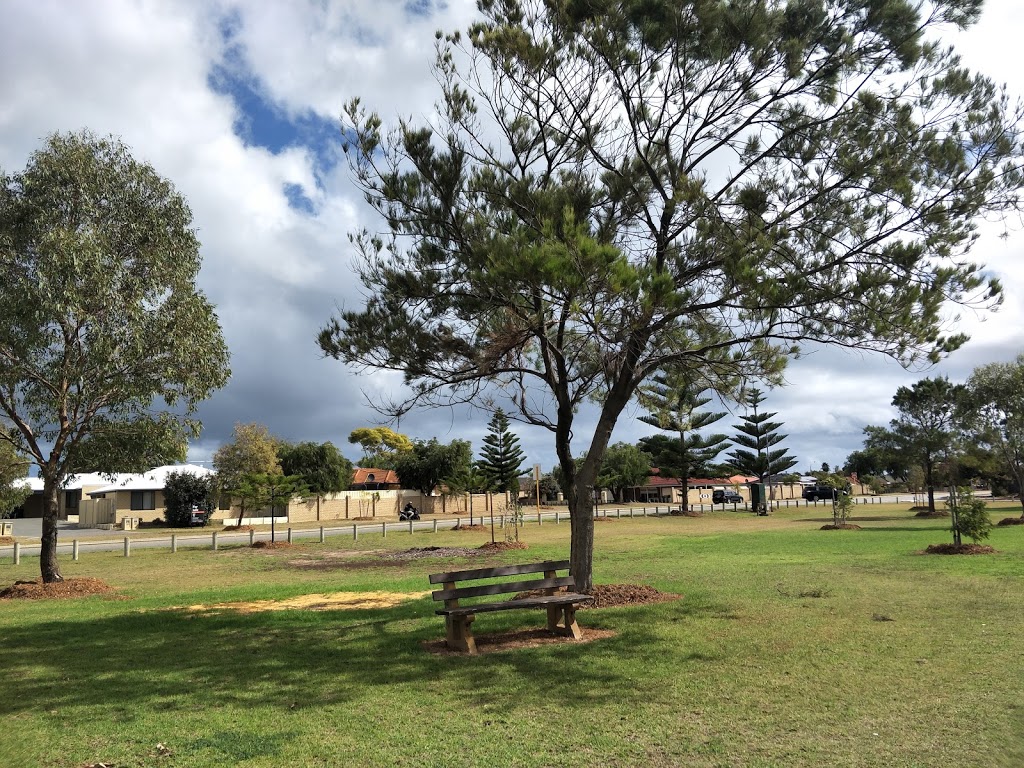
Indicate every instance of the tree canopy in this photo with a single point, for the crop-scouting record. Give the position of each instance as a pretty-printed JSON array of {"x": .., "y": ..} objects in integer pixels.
[
  {"x": 994, "y": 411},
  {"x": 501, "y": 458},
  {"x": 13, "y": 470},
  {"x": 926, "y": 425},
  {"x": 381, "y": 446},
  {"x": 103, "y": 324},
  {"x": 673, "y": 405},
  {"x": 430, "y": 464},
  {"x": 612, "y": 189},
  {"x": 757, "y": 434},
  {"x": 251, "y": 453},
  {"x": 624, "y": 467}
]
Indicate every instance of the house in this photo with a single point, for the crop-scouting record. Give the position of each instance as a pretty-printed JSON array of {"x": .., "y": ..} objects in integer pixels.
[
  {"x": 372, "y": 479},
  {"x": 139, "y": 495},
  {"x": 69, "y": 497}
]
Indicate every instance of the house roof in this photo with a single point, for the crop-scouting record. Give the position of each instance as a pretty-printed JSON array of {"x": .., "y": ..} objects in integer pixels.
[
  {"x": 364, "y": 475},
  {"x": 73, "y": 482},
  {"x": 153, "y": 480}
]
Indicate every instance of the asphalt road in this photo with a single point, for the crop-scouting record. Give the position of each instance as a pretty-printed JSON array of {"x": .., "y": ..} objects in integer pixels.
[{"x": 95, "y": 539}]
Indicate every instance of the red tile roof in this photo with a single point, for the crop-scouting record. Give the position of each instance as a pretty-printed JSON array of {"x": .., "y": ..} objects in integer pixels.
[{"x": 361, "y": 476}]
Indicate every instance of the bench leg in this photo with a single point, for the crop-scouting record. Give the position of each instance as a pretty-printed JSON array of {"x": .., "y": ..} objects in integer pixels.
[
  {"x": 567, "y": 615},
  {"x": 458, "y": 634}
]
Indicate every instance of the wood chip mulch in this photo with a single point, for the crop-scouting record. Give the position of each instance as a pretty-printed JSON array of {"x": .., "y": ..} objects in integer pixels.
[
  {"x": 503, "y": 546},
  {"x": 958, "y": 549},
  {"x": 270, "y": 545},
  {"x": 616, "y": 595},
  {"x": 475, "y": 527},
  {"x": 1011, "y": 521},
  {"x": 78, "y": 587},
  {"x": 840, "y": 527}
]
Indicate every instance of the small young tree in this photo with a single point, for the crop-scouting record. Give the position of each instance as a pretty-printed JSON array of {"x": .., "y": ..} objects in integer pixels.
[
  {"x": 501, "y": 458},
  {"x": 253, "y": 451},
  {"x": 184, "y": 490},
  {"x": 274, "y": 490},
  {"x": 969, "y": 514}
]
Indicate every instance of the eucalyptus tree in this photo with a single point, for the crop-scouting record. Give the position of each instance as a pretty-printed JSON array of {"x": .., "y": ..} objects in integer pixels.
[
  {"x": 102, "y": 324},
  {"x": 322, "y": 467},
  {"x": 609, "y": 189},
  {"x": 13, "y": 471}
]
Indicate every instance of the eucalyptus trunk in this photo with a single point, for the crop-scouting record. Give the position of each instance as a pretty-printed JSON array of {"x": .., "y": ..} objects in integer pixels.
[{"x": 48, "y": 567}]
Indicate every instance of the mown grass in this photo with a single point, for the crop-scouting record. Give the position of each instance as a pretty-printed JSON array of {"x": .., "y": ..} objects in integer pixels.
[{"x": 791, "y": 646}]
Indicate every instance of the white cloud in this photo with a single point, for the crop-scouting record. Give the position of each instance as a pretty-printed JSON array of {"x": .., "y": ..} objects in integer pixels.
[{"x": 141, "y": 70}]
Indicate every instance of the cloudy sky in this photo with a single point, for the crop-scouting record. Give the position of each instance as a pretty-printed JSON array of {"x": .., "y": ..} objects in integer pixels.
[{"x": 238, "y": 103}]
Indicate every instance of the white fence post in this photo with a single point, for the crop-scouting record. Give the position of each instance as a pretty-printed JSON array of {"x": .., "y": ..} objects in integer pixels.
[
  {"x": 127, "y": 546},
  {"x": 174, "y": 542},
  {"x": 74, "y": 550}
]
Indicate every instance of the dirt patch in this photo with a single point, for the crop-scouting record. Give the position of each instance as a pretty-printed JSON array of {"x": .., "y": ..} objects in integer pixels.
[
  {"x": 958, "y": 549},
  {"x": 474, "y": 527},
  {"x": 362, "y": 519},
  {"x": 7, "y": 539},
  {"x": 840, "y": 527},
  {"x": 332, "y": 601},
  {"x": 270, "y": 545},
  {"x": 418, "y": 553},
  {"x": 60, "y": 590},
  {"x": 923, "y": 512},
  {"x": 496, "y": 642},
  {"x": 503, "y": 546},
  {"x": 686, "y": 513},
  {"x": 1011, "y": 521},
  {"x": 241, "y": 528},
  {"x": 616, "y": 595},
  {"x": 606, "y": 519}
]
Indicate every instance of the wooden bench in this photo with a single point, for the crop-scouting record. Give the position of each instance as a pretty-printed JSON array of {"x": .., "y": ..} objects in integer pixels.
[{"x": 558, "y": 597}]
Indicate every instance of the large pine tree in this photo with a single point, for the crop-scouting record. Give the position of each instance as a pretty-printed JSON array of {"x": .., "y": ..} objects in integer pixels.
[
  {"x": 672, "y": 405},
  {"x": 758, "y": 434},
  {"x": 501, "y": 457}
]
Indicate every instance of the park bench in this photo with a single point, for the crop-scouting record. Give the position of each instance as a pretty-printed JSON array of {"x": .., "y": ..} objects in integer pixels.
[{"x": 557, "y": 596}]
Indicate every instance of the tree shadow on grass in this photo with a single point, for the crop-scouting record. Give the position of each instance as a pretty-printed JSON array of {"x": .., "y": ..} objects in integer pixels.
[{"x": 173, "y": 658}]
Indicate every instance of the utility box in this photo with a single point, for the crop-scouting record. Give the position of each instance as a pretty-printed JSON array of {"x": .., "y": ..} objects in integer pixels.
[{"x": 759, "y": 498}]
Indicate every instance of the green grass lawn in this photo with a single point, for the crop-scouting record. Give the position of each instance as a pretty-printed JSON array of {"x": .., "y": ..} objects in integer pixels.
[{"x": 791, "y": 646}]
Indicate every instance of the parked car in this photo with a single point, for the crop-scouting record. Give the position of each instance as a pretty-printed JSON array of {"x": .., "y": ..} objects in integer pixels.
[
  {"x": 815, "y": 492},
  {"x": 726, "y": 497},
  {"x": 199, "y": 516}
]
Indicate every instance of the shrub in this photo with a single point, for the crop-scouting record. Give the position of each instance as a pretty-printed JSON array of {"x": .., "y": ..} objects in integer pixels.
[
  {"x": 970, "y": 515},
  {"x": 182, "y": 491}
]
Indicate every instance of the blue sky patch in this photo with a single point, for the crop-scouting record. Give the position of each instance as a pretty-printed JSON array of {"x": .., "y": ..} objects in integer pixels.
[{"x": 262, "y": 122}]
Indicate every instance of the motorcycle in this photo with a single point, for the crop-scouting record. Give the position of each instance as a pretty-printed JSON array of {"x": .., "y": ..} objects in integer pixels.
[{"x": 409, "y": 513}]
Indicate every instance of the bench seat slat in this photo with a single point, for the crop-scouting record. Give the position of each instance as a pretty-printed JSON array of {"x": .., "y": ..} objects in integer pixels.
[
  {"x": 541, "y": 601},
  {"x": 507, "y": 586},
  {"x": 503, "y": 570}
]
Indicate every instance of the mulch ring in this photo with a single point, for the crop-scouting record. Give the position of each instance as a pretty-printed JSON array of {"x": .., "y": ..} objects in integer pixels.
[
  {"x": 59, "y": 590},
  {"x": 840, "y": 527},
  {"x": 503, "y": 546},
  {"x": 270, "y": 545},
  {"x": 958, "y": 549},
  {"x": 686, "y": 513},
  {"x": 615, "y": 595},
  {"x": 1011, "y": 521},
  {"x": 924, "y": 512}
]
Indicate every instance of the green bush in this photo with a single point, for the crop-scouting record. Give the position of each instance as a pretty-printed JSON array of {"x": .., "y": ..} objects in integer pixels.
[
  {"x": 183, "y": 491},
  {"x": 970, "y": 516}
]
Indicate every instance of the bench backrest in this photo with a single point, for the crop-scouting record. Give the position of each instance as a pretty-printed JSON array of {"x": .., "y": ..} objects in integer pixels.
[{"x": 451, "y": 593}]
